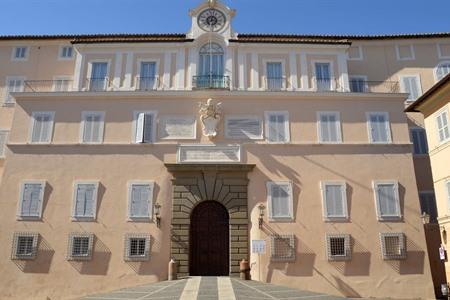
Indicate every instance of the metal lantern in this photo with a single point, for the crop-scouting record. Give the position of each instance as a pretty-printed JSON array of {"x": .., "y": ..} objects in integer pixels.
[{"x": 261, "y": 208}]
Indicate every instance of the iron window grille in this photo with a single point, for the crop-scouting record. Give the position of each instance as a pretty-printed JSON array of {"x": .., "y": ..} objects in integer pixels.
[
  {"x": 393, "y": 246},
  {"x": 137, "y": 247},
  {"x": 25, "y": 245},
  {"x": 283, "y": 247},
  {"x": 339, "y": 247},
  {"x": 80, "y": 246}
]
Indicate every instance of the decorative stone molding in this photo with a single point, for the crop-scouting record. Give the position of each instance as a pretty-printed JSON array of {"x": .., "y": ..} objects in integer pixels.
[
  {"x": 210, "y": 115},
  {"x": 195, "y": 183}
]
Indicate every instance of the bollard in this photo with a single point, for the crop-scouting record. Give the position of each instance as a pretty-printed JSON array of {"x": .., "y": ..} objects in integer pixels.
[
  {"x": 172, "y": 269},
  {"x": 244, "y": 269}
]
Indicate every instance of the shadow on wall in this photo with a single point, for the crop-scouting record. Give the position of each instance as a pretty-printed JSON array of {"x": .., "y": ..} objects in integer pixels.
[
  {"x": 43, "y": 260},
  {"x": 414, "y": 262},
  {"x": 99, "y": 263},
  {"x": 147, "y": 267},
  {"x": 359, "y": 265}
]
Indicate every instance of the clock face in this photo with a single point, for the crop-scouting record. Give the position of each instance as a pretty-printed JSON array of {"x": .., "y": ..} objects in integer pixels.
[{"x": 211, "y": 20}]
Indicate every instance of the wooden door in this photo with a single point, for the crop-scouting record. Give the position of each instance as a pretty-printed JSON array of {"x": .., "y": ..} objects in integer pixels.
[{"x": 209, "y": 238}]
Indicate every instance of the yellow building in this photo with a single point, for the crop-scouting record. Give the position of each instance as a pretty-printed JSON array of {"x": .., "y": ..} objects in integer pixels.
[
  {"x": 435, "y": 107},
  {"x": 115, "y": 160}
]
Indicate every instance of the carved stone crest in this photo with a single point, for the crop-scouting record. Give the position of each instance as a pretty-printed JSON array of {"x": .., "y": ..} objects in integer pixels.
[{"x": 210, "y": 115}]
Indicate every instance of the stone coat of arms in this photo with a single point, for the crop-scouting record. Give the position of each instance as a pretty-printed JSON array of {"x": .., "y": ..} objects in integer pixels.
[{"x": 210, "y": 115}]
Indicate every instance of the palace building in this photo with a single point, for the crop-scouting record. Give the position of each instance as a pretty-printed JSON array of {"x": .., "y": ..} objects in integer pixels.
[{"x": 121, "y": 152}]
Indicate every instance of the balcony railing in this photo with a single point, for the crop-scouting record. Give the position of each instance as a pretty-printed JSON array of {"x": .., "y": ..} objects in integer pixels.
[
  {"x": 59, "y": 85},
  {"x": 211, "y": 82},
  {"x": 98, "y": 84},
  {"x": 276, "y": 83},
  {"x": 147, "y": 83},
  {"x": 364, "y": 86}
]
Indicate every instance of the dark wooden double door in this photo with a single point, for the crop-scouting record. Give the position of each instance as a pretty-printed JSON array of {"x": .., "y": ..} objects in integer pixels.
[{"x": 209, "y": 240}]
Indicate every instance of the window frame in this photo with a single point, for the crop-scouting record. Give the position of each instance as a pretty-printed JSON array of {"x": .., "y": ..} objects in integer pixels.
[
  {"x": 365, "y": 78},
  {"x": 325, "y": 215},
  {"x": 92, "y": 218},
  {"x": 20, "y": 216},
  {"x": 287, "y": 134},
  {"x": 439, "y": 51},
  {"x": 417, "y": 128},
  {"x": 33, "y": 124},
  {"x": 3, "y": 147},
  {"x": 244, "y": 116},
  {"x": 388, "y": 129},
  {"x": 83, "y": 125},
  {"x": 27, "y": 53},
  {"x": 438, "y": 114},
  {"x": 154, "y": 125},
  {"x": 128, "y": 238},
  {"x": 387, "y": 218},
  {"x": 16, "y": 236},
  {"x": 347, "y": 247},
  {"x": 290, "y": 216},
  {"x": 360, "y": 54},
  {"x": 90, "y": 69},
  {"x": 72, "y": 236},
  {"x": 419, "y": 85},
  {"x": 61, "y": 52},
  {"x": 402, "y": 245},
  {"x": 436, "y": 68},
  {"x": 162, "y": 121},
  {"x": 139, "y": 62},
  {"x": 412, "y": 50},
  {"x": 283, "y": 72},
  {"x": 314, "y": 75},
  {"x": 151, "y": 199},
  {"x": 7, "y": 92},
  {"x": 337, "y": 114}
]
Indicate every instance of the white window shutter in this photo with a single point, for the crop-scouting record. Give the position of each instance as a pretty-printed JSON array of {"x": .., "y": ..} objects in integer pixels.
[
  {"x": 31, "y": 201},
  {"x": 280, "y": 200},
  {"x": 84, "y": 206},
  {"x": 88, "y": 127},
  {"x": 80, "y": 200},
  {"x": 276, "y": 127},
  {"x": 140, "y": 128},
  {"x": 334, "y": 201},
  {"x": 387, "y": 200},
  {"x": 140, "y": 200},
  {"x": 96, "y": 128}
]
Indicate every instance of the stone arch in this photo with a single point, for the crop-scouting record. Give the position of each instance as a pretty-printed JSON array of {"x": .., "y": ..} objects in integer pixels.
[{"x": 195, "y": 183}]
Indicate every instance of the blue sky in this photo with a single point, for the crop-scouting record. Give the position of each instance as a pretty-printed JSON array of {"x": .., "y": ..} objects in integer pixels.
[{"x": 253, "y": 16}]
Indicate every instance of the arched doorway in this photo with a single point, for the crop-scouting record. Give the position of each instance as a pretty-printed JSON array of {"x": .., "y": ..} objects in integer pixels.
[{"x": 209, "y": 247}]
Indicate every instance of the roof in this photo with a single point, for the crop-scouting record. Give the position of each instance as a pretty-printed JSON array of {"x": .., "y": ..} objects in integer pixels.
[
  {"x": 242, "y": 38},
  {"x": 428, "y": 94}
]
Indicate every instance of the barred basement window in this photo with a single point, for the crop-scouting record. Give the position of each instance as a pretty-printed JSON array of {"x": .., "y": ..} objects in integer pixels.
[
  {"x": 283, "y": 247},
  {"x": 393, "y": 246},
  {"x": 338, "y": 247},
  {"x": 80, "y": 246},
  {"x": 137, "y": 247},
  {"x": 25, "y": 245}
]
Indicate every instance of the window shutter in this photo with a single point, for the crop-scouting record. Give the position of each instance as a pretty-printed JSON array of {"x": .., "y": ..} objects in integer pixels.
[
  {"x": 96, "y": 128},
  {"x": 333, "y": 201},
  {"x": 277, "y": 128},
  {"x": 84, "y": 206},
  {"x": 280, "y": 200},
  {"x": 387, "y": 200},
  {"x": 31, "y": 200},
  {"x": 140, "y": 128},
  {"x": 88, "y": 127},
  {"x": 379, "y": 128},
  {"x": 140, "y": 200},
  {"x": 42, "y": 128}
]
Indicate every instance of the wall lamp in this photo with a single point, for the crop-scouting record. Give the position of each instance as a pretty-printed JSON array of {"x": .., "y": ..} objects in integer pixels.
[
  {"x": 261, "y": 208},
  {"x": 158, "y": 214}
]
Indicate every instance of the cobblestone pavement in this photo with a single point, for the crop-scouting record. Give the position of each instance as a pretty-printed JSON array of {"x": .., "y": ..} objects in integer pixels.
[{"x": 211, "y": 288}]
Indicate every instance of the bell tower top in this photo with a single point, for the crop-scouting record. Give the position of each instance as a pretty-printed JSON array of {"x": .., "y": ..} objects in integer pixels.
[{"x": 211, "y": 16}]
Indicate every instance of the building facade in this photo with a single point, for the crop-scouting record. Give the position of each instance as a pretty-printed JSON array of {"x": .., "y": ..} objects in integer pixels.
[{"x": 124, "y": 151}]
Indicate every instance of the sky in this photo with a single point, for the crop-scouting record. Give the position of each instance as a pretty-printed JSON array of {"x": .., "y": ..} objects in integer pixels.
[{"x": 20, "y": 17}]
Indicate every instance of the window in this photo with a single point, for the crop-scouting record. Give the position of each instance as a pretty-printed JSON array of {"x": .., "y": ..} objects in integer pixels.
[
  {"x": 137, "y": 247},
  {"x": 355, "y": 53},
  {"x": 147, "y": 79},
  {"x": 329, "y": 127},
  {"x": 80, "y": 246},
  {"x": 282, "y": 247},
  {"x": 334, "y": 199},
  {"x": 443, "y": 50},
  {"x": 393, "y": 246},
  {"x": 419, "y": 140},
  {"x": 442, "y": 70},
  {"x": 85, "y": 200},
  {"x": 387, "y": 200},
  {"x": 379, "y": 128},
  {"x": 42, "y": 127},
  {"x": 66, "y": 52},
  {"x": 61, "y": 84},
  {"x": 359, "y": 84},
  {"x": 274, "y": 74},
  {"x": 20, "y": 53},
  {"x": 338, "y": 247},
  {"x": 3, "y": 141},
  {"x": 279, "y": 199},
  {"x": 177, "y": 127},
  {"x": 140, "y": 200},
  {"x": 31, "y": 199},
  {"x": 144, "y": 127},
  {"x": 442, "y": 126},
  {"x": 92, "y": 127},
  {"x": 323, "y": 76},
  {"x": 25, "y": 245},
  {"x": 98, "y": 80},
  {"x": 211, "y": 67},
  {"x": 411, "y": 85},
  {"x": 243, "y": 127},
  {"x": 405, "y": 52},
  {"x": 13, "y": 84},
  {"x": 277, "y": 127},
  {"x": 428, "y": 205}
]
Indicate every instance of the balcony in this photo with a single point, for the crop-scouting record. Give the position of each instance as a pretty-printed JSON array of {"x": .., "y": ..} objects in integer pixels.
[
  {"x": 98, "y": 84},
  {"x": 147, "y": 83},
  {"x": 211, "y": 82},
  {"x": 364, "y": 86},
  {"x": 59, "y": 85},
  {"x": 276, "y": 83}
]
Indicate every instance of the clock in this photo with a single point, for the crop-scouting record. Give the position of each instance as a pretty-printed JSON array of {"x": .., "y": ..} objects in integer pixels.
[{"x": 211, "y": 20}]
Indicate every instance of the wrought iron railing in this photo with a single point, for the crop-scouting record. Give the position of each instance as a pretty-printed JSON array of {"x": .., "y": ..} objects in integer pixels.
[
  {"x": 58, "y": 85},
  {"x": 211, "y": 82},
  {"x": 276, "y": 83},
  {"x": 97, "y": 84},
  {"x": 364, "y": 86},
  {"x": 326, "y": 85},
  {"x": 147, "y": 83}
]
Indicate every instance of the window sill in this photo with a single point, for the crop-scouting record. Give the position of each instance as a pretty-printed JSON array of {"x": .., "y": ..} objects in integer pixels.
[
  {"x": 79, "y": 258},
  {"x": 390, "y": 219},
  {"x": 137, "y": 258},
  {"x": 29, "y": 218},
  {"x": 336, "y": 219},
  {"x": 140, "y": 219},
  {"x": 281, "y": 220},
  {"x": 83, "y": 219}
]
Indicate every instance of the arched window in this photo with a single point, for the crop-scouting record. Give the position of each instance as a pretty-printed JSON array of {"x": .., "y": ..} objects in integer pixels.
[
  {"x": 211, "y": 60},
  {"x": 442, "y": 69}
]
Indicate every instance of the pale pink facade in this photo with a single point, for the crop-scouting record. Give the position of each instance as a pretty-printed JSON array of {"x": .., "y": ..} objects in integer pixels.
[{"x": 301, "y": 160}]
